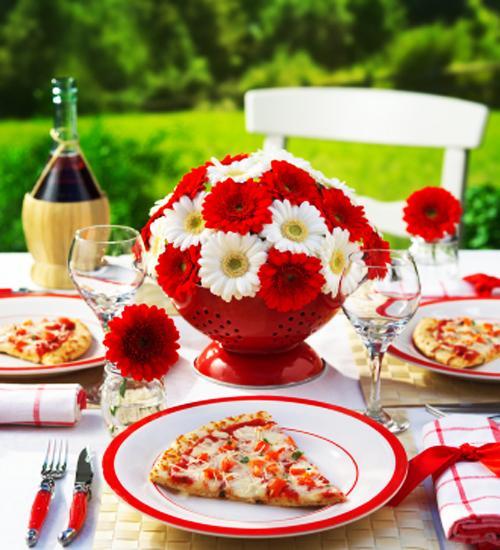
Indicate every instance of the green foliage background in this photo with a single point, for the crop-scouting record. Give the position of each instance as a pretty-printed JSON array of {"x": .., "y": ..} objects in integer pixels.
[
  {"x": 135, "y": 59},
  {"x": 173, "y": 54}
]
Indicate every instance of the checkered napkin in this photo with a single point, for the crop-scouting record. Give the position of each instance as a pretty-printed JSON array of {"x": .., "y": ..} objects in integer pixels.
[
  {"x": 468, "y": 493},
  {"x": 41, "y": 404}
]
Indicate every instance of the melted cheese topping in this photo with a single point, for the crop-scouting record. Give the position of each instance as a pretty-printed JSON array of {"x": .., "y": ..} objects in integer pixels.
[
  {"x": 252, "y": 463},
  {"x": 38, "y": 337},
  {"x": 468, "y": 338}
]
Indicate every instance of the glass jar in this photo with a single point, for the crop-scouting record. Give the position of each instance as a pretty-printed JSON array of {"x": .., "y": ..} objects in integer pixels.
[
  {"x": 125, "y": 401},
  {"x": 437, "y": 262}
]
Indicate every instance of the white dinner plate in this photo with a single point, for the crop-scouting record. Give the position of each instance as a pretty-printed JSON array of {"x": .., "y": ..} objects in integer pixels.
[
  {"x": 480, "y": 309},
  {"x": 19, "y": 307},
  {"x": 358, "y": 455}
]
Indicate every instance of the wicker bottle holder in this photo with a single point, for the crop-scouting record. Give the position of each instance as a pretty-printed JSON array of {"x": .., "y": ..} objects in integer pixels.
[{"x": 49, "y": 227}]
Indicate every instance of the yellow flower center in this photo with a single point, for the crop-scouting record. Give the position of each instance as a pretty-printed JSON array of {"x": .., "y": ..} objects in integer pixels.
[
  {"x": 294, "y": 230},
  {"x": 194, "y": 223},
  {"x": 235, "y": 264},
  {"x": 337, "y": 262}
]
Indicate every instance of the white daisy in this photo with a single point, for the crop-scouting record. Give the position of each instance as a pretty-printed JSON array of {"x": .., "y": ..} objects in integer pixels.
[
  {"x": 332, "y": 182},
  {"x": 184, "y": 224},
  {"x": 159, "y": 203},
  {"x": 229, "y": 264},
  {"x": 239, "y": 170},
  {"x": 157, "y": 243},
  {"x": 354, "y": 274},
  {"x": 295, "y": 228},
  {"x": 268, "y": 156},
  {"x": 334, "y": 256}
]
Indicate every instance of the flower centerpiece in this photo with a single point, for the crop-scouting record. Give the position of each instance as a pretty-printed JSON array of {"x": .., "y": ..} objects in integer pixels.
[
  {"x": 253, "y": 250},
  {"x": 432, "y": 216},
  {"x": 141, "y": 346}
]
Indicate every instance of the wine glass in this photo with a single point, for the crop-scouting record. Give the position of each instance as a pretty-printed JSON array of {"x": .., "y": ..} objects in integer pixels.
[
  {"x": 106, "y": 264},
  {"x": 385, "y": 297}
]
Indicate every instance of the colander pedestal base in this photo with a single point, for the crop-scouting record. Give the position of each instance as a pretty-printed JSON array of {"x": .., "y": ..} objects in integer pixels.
[{"x": 273, "y": 369}]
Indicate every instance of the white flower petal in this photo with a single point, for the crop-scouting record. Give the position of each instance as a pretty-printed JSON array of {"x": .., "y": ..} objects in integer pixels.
[
  {"x": 216, "y": 250},
  {"x": 305, "y": 215}
]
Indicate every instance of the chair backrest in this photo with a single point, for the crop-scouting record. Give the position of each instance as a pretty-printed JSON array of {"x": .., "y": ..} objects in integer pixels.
[{"x": 386, "y": 117}]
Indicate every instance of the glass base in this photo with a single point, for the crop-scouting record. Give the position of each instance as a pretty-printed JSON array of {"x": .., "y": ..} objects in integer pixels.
[{"x": 394, "y": 425}]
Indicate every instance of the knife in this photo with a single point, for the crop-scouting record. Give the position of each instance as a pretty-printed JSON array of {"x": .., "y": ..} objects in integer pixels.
[
  {"x": 81, "y": 495},
  {"x": 480, "y": 408}
]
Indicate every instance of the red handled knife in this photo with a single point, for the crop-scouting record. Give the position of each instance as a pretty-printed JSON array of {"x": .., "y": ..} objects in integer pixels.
[{"x": 81, "y": 495}]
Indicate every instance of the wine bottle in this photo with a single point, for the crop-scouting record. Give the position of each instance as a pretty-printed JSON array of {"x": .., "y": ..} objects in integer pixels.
[{"x": 65, "y": 197}]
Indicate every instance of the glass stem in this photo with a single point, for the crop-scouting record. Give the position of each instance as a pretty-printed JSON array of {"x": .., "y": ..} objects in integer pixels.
[{"x": 374, "y": 405}]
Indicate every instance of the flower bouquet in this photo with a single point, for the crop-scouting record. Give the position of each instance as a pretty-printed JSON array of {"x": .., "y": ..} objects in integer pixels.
[{"x": 253, "y": 250}]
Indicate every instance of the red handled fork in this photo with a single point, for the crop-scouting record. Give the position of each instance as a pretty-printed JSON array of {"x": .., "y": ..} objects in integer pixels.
[{"x": 53, "y": 467}]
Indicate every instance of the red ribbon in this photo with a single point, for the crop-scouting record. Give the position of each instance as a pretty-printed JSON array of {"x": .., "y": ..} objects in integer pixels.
[
  {"x": 435, "y": 460},
  {"x": 483, "y": 284}
]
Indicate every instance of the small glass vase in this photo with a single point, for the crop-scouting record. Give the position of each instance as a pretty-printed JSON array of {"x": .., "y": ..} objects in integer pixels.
[
  {"x": 437, "y": 262},
  {"x": 125, "y": 401}
]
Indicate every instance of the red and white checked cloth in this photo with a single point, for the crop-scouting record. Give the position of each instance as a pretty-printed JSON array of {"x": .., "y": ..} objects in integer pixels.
[
  {"x": 468, "y": 493},
  {"x": 41, "y": 404}
]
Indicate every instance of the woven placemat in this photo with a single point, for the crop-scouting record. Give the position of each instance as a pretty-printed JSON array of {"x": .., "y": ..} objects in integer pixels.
[
  {"x": 407, "y": 385},
  {"x": 409, "y": 526}
]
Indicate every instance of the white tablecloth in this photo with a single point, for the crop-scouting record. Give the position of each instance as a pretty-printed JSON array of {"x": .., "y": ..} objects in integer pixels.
[{"x": 21, "y": 449}]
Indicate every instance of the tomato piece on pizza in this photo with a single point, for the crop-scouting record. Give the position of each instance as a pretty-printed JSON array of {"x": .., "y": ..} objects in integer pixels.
[{"x": 246, "y": 458}]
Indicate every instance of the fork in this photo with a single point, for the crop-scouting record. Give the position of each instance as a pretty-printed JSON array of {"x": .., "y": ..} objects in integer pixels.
[{"x": 53, "y": 467}]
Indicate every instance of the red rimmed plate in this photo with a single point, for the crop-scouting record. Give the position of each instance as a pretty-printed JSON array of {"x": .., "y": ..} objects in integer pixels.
[
  {"x": 355, "y": 453},
  {"x": 481, "y": 309},
  {"x": 15, "y": 308}
]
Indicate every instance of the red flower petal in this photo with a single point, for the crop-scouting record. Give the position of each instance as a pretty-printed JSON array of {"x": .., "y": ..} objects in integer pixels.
[
  {"x": 238, "y": 207},
  {"x": 177, "y": 271},
  {"x": 432, "y": 213},
  {"x": 190, "y": 185},
  {"x": 286, "y": 181},
  {"x": 290, "y": 281},
  {"x": 376, "y": 255},
  {"x": 339, "y": 211},
  {"x": 142, "y": 342},
  {"x": 228, "y": 159}
]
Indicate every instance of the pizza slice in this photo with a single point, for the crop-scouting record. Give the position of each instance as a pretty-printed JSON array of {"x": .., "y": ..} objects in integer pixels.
[
  {"x": 458, "y": 342},
  {"x": 247, "y": 458},
  {"x": 46, "y": 341}
]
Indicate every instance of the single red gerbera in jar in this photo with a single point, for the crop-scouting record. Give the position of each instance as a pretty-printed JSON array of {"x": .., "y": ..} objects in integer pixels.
[
  {"x": 286, "y": 181},
  {"x": 290, "y": 281},
  {"x": 237, "y": 207},
  {"x": 142, "y": 342},
  {"x": 432, "y": 213},
  {"x": 339, "y": 211},
  {"x": 177, "y": 270}
]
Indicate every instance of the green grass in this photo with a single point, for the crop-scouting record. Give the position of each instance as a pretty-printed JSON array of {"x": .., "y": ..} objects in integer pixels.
[{"x": 381, "y": 171}]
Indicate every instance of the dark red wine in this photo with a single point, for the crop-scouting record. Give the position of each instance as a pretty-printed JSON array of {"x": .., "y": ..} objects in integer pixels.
[{"x": 68, "y": 180}]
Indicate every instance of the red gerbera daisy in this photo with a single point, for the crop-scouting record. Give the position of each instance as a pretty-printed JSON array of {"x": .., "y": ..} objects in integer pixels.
[
  {"x": 228, "y": 159},
  {"x": 190, "y": 185},
  {"x": 238, "y": 207},
  {"x": 142, "y": 342},
  {"x": 290, "y": 281},
  {"x": 339, "y": 211},
  {"x": 432, "y": 213},
  {"x": 177, "y": 271},
  {"x": 286, "y": 181},
  {"x": 376, "y": 255}
]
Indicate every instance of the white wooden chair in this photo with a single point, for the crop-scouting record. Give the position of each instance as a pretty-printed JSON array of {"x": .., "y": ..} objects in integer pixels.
[{"x": 373, "y": 116}]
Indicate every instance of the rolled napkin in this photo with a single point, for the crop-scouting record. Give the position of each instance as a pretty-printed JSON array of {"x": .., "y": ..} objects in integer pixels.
[
  {"x": 484, "y": 285},
  {"x": 462, "y": 452},
  {"x": 41, "y": 404}
]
